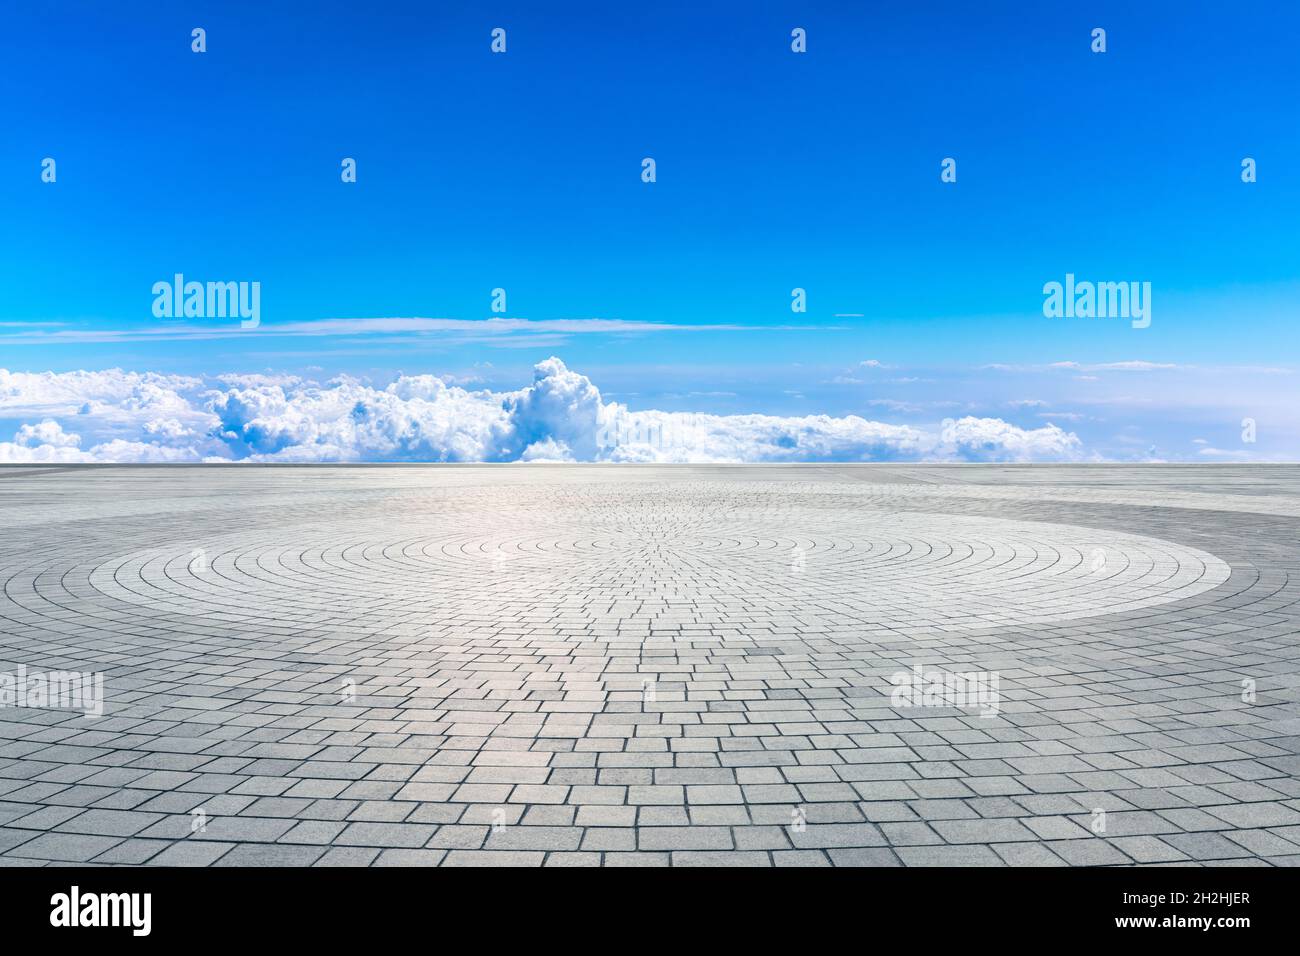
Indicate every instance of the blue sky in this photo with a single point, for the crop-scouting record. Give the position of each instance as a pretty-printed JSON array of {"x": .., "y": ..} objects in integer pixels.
[{"x": 775, "y": 170}]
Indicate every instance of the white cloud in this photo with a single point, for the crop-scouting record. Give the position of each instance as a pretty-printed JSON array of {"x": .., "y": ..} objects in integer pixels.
[
  {"x": 65, "y": 393},
  {"x": 992, "y": 439},
  {"x": 482, "y": 330},
  {"x": 560, "y": 416},
  {"x": 48, "y": 432},
  {"x": 1239, "y": 454},
  {"x": 45, "y": 443},
  {"x": 548, "y": 450},
  {"x": 1132, "y": 366},
  {"x": 1135, "y": 365}
]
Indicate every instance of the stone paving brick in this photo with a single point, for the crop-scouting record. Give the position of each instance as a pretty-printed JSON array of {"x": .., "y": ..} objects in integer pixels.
[
  {"x": 409, "y": 858},
  {"x": 656, "y": 795},
  {"x": 708, "y": 858},
  {"x": 320, "y": 832},
  {"x": 1147, "y": 849},
  {"x": 708, "y": 794},
  {"x": 825, "y": 836},
  {"x": 637, "y": 859},
  {"x": 65, "y": 847},
  {"x": 800, "y": 858},
  {"x": 1207, "y": 846},
  {"x": 131, "y": 852},
  {"x": 348, "y": 856},
  {"x": 271, "y": 854},
  {"x": 198, "y": 853},
  {"x": 108, "y": 822},
  {"x": 534, "y": 838},
  {"x": 385, "y": 835},
  {"x": 49, "y": 818},
  {"x": 572, "y": 859},
  {"x": 969, "y": 855},
  {"x": 605, "y": 816},
  {"x": 1252, "y": 815},
  {"x": 685, "y": 838},
  {"x": 910, "y": 834},
  {"x": 609, "y": 839},
  {"x": 1057, "y": 828},
  {"x": 1263, "y": 843},
  {"x": 1027, "y": 854},
  {"x": 1095, "y": 852},
  {"x": 492, "y": 858},
  {"x": 863, "y": 856},
  {"x": 982, "y": 831}
]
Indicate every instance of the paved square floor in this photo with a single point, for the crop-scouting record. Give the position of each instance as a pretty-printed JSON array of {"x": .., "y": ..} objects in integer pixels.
[{"x": 652, "y": 665}]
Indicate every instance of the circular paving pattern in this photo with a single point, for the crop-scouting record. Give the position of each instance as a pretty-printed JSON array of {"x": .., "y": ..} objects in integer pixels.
[{"x": 879, "y": 571}]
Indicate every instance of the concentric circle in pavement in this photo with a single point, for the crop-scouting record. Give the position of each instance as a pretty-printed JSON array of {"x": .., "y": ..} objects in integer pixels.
[
  {"x": 672, "y": 665},
  {"x": 878, "y": 571}
]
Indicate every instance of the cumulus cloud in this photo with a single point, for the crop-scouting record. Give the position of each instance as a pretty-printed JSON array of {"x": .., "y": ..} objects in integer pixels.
[
  {"x": 560, "y": 416},
  {"x": 548, "y": 450},
  {"x": 992, "y": 439},
  {"x": 48, "y": 432}
]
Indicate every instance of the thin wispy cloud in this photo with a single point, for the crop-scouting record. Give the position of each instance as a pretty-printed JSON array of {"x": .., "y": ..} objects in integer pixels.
[{"x": 472, "y": 329}]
